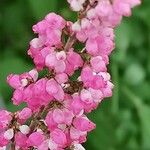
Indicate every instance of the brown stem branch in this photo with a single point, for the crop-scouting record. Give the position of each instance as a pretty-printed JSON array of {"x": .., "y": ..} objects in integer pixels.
[
  {"x": 12, "y": 146},
  {"x": 36, "y": 117},
  {"x": 72, "y": 39},
  {"x": 70, "y": 42},
  {"x": 41, "y": 115}
]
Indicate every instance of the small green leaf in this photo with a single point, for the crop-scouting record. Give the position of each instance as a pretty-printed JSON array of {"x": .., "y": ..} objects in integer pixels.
[{"x": 14, "y": 108}]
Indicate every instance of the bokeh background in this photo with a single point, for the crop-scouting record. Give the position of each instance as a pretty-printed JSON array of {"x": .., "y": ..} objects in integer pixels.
[{"x": 123, "y": 122}]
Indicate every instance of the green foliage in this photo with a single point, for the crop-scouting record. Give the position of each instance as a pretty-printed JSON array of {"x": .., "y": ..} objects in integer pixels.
[
  {"x": 122, "y": 121},
  {"x": 40, "y": 8}
]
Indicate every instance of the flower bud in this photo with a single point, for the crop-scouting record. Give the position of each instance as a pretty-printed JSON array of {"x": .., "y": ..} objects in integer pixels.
[
  {"x": 61, "y": 55},
  {"x": 91, "y": 13},
  {"x": 9, "y": 134},
  {"x": 78, "y": 147},
  {"x": 76, "y": 6},
  {"x": 24, "y": 82},
  {"x": 36, "y": 43},
  {"x": 76, "y": 27},
  {"x": 24, "y": 129}
]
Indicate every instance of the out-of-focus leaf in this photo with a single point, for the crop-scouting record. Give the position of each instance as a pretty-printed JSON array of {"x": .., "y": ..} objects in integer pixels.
[
  {"x": 134, "y": 74},
  {"x": 144, "y": 113},
  {"x": 143, "y": 12},
  {"x": 127, "y": 128},
  {"x": 143, "y": 90},
  {"x": 138, "y": 37},
  {"x": 15, "y": 27},
  {"x": 41, "y": 8},
  {"x": 2, "y": 105},
  {"x": 123, "y": 34},
  {"x": 132, "y": 144},
  {"x": 103, "y": 137}
]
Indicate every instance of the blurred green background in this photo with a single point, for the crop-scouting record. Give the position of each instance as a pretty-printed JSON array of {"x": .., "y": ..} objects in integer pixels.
[{"x": 123, "y": 122}]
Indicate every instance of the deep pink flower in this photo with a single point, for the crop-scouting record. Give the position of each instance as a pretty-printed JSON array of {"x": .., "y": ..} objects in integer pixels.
[
  {"x": 3, "y": 141},
  {"x": 21, "y": 139},
  {"x": 25, "y": 114},
  {"x": 36, "y": 139}
]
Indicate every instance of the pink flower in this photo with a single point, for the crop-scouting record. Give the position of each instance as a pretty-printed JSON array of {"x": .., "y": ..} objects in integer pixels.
[
  {"x": 36, "y": 139},
  {"x": 83, "y": 124},
  {"x": 3, "y": 141},
  {"x": 21, "y": 81},
  {"x": 64, "y": 62},
  {"x": 99, "y": 45},
  {"x": 91, "y": 96},
  {"x": 39, "y": 55},
  {"x": 103, "y": 8},
  {"x": 17, "y": 97},
  {"x": 59, "y": 118},
  {"x": 133, "y": 3},
  {"x": 59, "y": 137},
  {"x": 77, "y": 135},
  {"x": 52, "y": 62},
  {"x": 74, "y": 60},
  {"x": 5, "y": 118},
  {"x": 43, "y": 146},
  {"x": 122, "y": 8},
  {"x": 25, "y": 114},
  {"x": 50, "y": 121},
  {"x": 98, "y": 64},
  {"x": 90, "y": 79},
  {"x": 21, "y": 140},
  {"x": 61, "y": 78},
  {"x": 77, "y": 105},
  {"x": 49, "y": 30},
  {"x": 54, "y": 89},
  {"x": 62, "y": 116},
  {"x": 55, "y": 21},
  {"x": 14, "y": 81},
  {"x": 40, "y": 27},
  {"x": 34, "y": 95}
]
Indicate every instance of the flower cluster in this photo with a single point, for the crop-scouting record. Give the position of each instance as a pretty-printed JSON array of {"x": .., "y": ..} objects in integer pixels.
[{"x": 75, "y": 80}]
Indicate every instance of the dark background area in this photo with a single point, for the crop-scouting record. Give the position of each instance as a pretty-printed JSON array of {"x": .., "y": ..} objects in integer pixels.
[{"x": 123, "y": 122}]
